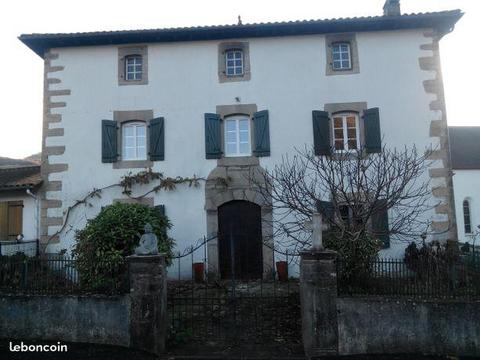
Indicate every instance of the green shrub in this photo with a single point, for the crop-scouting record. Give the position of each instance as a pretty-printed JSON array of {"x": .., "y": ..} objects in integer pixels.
[
  {"x": 107, "y": 239},
  {"x": 356, "y": 255}
]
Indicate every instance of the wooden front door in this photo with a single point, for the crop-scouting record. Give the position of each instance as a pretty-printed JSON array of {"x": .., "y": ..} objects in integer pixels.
[{"x": 240, "y": 240}]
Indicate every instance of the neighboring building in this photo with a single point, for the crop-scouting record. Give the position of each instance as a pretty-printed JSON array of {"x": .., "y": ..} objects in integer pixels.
[
  {"x": 219, "y": 101},
  {"x": 19, "y": 202},
  {"x": 465, "y": 152}
]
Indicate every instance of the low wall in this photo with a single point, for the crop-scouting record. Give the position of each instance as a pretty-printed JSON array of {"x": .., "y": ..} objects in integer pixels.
[
  {"x": 92, "y": 319},
  {"x": 396, "y": 325}
]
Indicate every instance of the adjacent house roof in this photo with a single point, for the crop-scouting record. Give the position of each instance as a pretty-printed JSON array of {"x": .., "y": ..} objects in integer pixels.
[
  {"x": 465, "y": 147},
  {"x": 20, "y": 177},
  {"x": 8, "y": 162},
  {"x": 444, "y": 21}
]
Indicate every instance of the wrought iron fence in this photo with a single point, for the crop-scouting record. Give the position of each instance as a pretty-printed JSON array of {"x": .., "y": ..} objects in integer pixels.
[
  {"x": 53, "y": 274},
  {"x": 29, "y": 248},
  {"x": 436, "y": 278}
]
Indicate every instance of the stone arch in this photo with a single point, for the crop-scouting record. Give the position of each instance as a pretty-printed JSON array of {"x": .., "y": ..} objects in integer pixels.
[{"x": 237, "y": 172}]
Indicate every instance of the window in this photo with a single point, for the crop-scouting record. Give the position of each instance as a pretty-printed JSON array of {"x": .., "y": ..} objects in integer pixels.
[
  {"x": 467, "y": 222},
  {"x": 341, "y": 56},
  {"x": 346, "y": 132},
  {"x": 237, "y": 136},
  {"x": 234, "y": 62},
  {"x": 11, "y": 218},
  {"x": 133, "y": 67},
  {"x": 134, "y": 141}
]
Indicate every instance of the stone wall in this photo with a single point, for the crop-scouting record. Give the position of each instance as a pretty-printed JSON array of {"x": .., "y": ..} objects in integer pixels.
[
  {"x": 381, "y": 325},
  {"x": 92, "y": 319}
]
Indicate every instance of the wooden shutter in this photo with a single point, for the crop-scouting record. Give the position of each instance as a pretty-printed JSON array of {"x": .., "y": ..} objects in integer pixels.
[
  {"x": 109, "y": 141},
  {"x": 321, "y": 133},
  {"x": 261, "y": 134},
  {"x": 3, "y": 221},
  {"x": 15, "y": 219},
  {"x": 326, "y": 209},
  {"x": 157, "y": 139},
  {"x": 380, "y": 224},
  {"x": 213, "y": 148},
  {"x": 160, "y": 209},
  {"x": 373, "y": 138}
]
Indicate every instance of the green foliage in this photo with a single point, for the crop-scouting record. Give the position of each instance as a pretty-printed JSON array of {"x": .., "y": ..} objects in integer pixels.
[
  {"x": 107, "y": 239},
  {"x": 356, "y": 255}
]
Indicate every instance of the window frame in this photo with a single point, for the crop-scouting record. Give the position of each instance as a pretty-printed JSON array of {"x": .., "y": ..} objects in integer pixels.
[
  {"x": 345, "y": 128},
  {"x": 225, "y": 47},
  {"x": 467, "y": 214},
  {"x": 124, "y": 52},
  {"x": 237, "y": 119},
  {"x": 135, "y": 124},
  {"x": 340, "y": 52},
  {"x": 234, "y": 51},
  {"x": 134, "y": 57},
  {"x": 349, "y": 38}
]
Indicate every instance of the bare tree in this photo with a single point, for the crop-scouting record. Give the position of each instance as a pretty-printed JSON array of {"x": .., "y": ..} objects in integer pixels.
[{"x": 354, "y": 191}]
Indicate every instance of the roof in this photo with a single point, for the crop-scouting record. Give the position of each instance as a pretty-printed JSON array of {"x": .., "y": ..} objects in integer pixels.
[
  {"x": 23, "y": 177},
  {"x": 444, "y": 21},
  {"x": 465, "y": 146},
  {"x": 8, "y": 162}
]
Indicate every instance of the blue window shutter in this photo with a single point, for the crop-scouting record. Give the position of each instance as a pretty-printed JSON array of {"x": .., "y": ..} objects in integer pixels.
[
  {"x": 326, "y": 209},
  {"x": 109, "y": 141},
  {"x": 157, "y": 139},
  {"x": 213, "y": 136},
  {"x": 321, "y": 133},
  {"x": 380, "y": 226},
  {"x": 261, "y": 134},
  {"x": 373, "y": 138}
]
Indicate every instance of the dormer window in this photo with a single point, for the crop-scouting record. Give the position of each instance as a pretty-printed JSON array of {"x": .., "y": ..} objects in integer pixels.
[
  {"x": 234, "y": 62},
  {"x": 133, "y": 67},
  {"x": 341, "y": 56}
]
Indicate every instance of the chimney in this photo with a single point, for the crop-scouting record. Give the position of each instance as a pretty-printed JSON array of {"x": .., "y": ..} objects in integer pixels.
[{"x": 391, "y": 8}]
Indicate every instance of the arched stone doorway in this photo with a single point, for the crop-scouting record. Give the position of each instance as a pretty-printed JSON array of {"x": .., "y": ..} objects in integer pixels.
[
  {"x": 240, "y": 240},
  {"x": 239, "y": 187}
]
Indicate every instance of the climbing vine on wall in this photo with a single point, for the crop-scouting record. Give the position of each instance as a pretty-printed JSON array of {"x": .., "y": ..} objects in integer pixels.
[{"x": 127, "y": 182}]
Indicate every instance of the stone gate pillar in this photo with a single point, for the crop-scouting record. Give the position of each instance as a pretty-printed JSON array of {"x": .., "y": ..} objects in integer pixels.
[
  {"x": 148, "y": 294},
  {"x": 318, "y": 296}
]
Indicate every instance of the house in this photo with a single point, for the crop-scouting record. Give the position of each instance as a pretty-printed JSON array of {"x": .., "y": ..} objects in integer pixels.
[
  {"x": 221, "y": 101},
  {"x": 20, "y": 182},
  {"x": 465, "y": 153}
]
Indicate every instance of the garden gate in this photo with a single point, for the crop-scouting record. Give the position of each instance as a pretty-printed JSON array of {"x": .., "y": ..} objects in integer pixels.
[{"x": 238, "y": 312}]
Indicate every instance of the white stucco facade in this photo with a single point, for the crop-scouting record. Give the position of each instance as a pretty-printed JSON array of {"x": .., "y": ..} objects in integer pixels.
[
  {"x": 183, "y": 84},
  {"x": 466, "y": 187}
]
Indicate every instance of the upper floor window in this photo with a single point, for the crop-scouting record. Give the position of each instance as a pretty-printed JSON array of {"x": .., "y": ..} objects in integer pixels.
[
  {"x": 346, "y": 132},
  {"x": 234, "y": 62},
  {"x": 237, "y": 136},
  {"x": 341, "y": 56},
  {"x": 134, "y": 140},
  {"x": 133, "y": 67},
  {"x": 467, "y": 222}
]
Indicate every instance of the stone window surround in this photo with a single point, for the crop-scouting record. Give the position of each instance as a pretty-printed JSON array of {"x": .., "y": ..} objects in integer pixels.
[
  {"x": 225, "y": 111},
  {"x": 349, "y": 38},
  {"x": 353, "y": 107},
  {"x": 148, "y": 201},
  {"x": 222, "y": 48},
  {"x": 123, "y": 52},
  {"x": 122, "y": 117}
]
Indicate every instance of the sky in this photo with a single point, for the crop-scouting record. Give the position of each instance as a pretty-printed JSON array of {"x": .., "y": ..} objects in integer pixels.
[{"x": 21, "y": 96}]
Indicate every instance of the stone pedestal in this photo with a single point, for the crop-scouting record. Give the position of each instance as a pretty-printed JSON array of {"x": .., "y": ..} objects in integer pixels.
[
  {"x": 318, "y": 296},
  {"x": 148, "y": 294}
]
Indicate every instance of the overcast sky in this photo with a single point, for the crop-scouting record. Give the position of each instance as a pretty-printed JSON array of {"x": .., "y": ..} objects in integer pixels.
[{"x": 22, "y": 70}]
